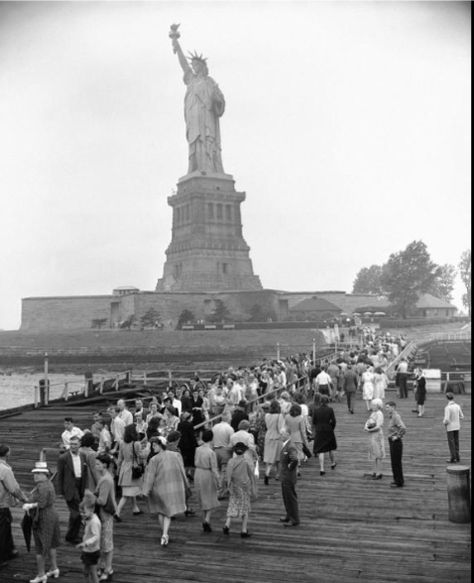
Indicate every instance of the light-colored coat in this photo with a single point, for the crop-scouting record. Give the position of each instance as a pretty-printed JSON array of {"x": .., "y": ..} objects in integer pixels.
[{"x": 165, "y": 483}]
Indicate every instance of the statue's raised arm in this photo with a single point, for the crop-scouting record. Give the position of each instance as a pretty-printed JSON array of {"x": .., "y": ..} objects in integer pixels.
[
  {"x": 204, "y": 104},
  {"x": 174, "y": 36}
]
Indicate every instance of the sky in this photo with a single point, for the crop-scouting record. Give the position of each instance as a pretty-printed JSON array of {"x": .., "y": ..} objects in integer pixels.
[{"x": 347, "y": 124}]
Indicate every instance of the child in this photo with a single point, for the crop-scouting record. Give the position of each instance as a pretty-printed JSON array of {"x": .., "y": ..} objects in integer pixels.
[{"x": 90, "y": 544}]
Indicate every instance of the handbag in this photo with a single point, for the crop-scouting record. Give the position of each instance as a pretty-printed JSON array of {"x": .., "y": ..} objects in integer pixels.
[
  {"x": 137, "y": 469},
  {"x": 307, "y": 451}
]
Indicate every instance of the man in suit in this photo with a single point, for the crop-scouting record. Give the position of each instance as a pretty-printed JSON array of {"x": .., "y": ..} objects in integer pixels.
[
  {"x": 350, "y": 383},
  {"x": 288, "y": 470},
  {"x": 71, "y": 480}
]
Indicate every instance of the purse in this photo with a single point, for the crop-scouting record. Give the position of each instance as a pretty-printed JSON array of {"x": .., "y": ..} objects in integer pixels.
[
  {"x": 307, "y": 451},
  {"x": 137, "y": 469}
]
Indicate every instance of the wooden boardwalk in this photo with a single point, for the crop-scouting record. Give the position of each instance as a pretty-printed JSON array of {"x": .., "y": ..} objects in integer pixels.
[{"x": 352, "y": 528}]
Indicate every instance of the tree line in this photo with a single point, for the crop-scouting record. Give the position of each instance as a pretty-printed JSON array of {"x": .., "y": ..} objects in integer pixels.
[{"x": 411, "y": 272}]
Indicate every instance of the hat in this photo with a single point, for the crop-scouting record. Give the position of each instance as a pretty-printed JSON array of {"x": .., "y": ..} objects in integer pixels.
[{"x": 40, "y": 468}]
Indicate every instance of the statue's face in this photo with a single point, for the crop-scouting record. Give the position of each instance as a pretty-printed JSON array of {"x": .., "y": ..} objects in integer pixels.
[{"x": 198, "y": 66}]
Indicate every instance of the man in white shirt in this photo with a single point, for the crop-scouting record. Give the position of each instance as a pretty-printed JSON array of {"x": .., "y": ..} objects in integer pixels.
[
  {"x": 452, "y": 421},
  {"x": 117, "y": 427},
  {"x": 124, "y": 414},
  {"x": 222, "y": 433},
  {"x": 402, "y": 378},
  {"x": 323, "y": 383},
  {"x": 70, "y": 430}
]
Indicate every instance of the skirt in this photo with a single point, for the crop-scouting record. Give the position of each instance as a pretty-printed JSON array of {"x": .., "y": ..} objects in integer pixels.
[
  {"x": 107, "y": 532},
  {"x": 376, "y": 446},
  {"x": 131, "y": 491},
  {"x": 239, "y": 501}
]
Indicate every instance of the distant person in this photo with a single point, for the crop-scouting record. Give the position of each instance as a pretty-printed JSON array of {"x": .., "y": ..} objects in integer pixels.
[
  {"x": 402, "y": 378},
  {"x": 106, "y": 503},
  {"x": 9, "y": 491},
  {"x": 323, "y": 383},
  {"x": 124, "y": 414},
  {"x": 187, "y": 443},
  {"x": 288, "y": 478},
  {"x": 396, "y": 431},
  {"x": 452, "y": 421},
  {"x": 70, "y": 430},
  {"x": 274, "y": 422},
  {"x": 117, "y": 428},
  {"x": 420, "y": 391},
  {"x": 324, "y": 423},
  {"x": 71, "y": 480},
  {"x": 350, "y": 382},
  {"x": 239, "y": 413},
  {"x": 128, "y": 458}
]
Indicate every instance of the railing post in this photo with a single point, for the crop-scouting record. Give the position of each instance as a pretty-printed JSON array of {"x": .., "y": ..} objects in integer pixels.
[
  {"x": 36, "y": 396},
  {"x": 66, "y": 391},
  {"x": 144, "y": 378},
  {"x": 170, "y": 379},
  {"x": 101, "y": 385},
  {"x": 86, "y": 389},
  {"x": 314, "y": 350},
  {"x": 46, "y": 381},
  {"x": 278, "y": 351}
]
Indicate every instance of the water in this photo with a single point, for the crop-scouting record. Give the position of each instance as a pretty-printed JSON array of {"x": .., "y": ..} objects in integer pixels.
[{"x": 17, "y": 389}]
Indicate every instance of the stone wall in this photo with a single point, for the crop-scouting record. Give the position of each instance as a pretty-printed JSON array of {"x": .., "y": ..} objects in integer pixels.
[{"x": 62, "y": 313}]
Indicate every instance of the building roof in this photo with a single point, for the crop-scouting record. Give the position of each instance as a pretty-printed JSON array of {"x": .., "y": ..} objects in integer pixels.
[
  {"x": 315, "y": 304},
  {"x": 430, "y": 301},
  {"x": 350, "y": 303}
]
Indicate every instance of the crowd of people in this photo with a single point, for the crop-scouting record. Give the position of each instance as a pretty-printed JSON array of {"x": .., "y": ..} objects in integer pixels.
[{"x": 205, "y": 443}]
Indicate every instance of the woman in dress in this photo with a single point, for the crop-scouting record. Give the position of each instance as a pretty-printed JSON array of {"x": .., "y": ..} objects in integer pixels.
[
  {"x": 274, "y": 422},
  {"x": 380, "y": 383},
  {"x": 367, "y": 382},
  {"x": 105, "y": 493},
  {"x": 46, "y": 526},
  {"x": 373, "y": 426},
  {"x": 129, "y": 456},
  {"x": 87, "y": 443},
  {"x": 296, "y": 426},
  {"x": 206, "y": 478},
  {"x": 165, "y": 484},
  {"x": 171, "y": 421},
  {"x": 240, "y": 479},
  {"x": 420, "y": 391},
  {"x": 324, "y": 423}
]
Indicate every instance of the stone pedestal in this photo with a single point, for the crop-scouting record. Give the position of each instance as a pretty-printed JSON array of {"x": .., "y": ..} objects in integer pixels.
[{"x": 207, "y": 250}]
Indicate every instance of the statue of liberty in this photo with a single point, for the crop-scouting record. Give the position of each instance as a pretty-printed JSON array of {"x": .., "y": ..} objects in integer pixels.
[{"x": 203, "y": 106}]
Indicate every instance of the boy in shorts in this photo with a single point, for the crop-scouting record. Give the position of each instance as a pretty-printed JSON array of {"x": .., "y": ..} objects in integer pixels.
[{"x": 90, "y": 544}]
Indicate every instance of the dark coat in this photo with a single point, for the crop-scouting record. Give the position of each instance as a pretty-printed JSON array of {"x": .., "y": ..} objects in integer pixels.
[
  {"x": 66, "y": 480},
  {"x": 288, "y": 462},
  {"x": 324, "y": 422}
]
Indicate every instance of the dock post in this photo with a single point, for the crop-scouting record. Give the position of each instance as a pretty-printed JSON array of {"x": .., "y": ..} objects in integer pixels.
[
  {"x": 46, "y": 381},
  {"x": 314, "y": 350},
  {"x": 459, "y": 500},
  {"x": 66, "y": 391},
  {"x": 86, "y": 389},
  {"x": 36, "y": 397},
  {"x": 278, "y": 351},
  {"x": 170, "y": 379},
  {"x": 144, "y": 378}
]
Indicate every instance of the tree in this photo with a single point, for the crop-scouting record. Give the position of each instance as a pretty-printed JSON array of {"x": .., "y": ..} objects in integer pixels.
[
  {"x": 221, "y": 312},
  {"x": 258, "y": 313},
  {"x": 151, "y": 318},
  {"x": 368, "y": 281},
  {"x": 465, "y": 273},
  {"x": 128, "y": 323},
  {"x": 444, "y": 284},
  {"x": 185, "y": 317},
  {"x": 407, "y": 274}
]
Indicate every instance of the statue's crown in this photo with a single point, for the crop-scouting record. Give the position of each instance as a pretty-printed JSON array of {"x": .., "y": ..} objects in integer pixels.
[{"x": 196, "y": 57}]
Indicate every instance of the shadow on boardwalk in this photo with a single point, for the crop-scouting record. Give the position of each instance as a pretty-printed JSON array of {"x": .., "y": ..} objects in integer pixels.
[{"x": 352, "y": 528}]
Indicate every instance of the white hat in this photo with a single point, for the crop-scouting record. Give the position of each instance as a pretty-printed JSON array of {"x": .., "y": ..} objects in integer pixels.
[{"x": 40, "y": 468}]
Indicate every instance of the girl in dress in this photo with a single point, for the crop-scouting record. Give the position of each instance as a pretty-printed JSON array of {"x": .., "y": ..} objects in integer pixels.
[
  {"x": 374, "y": 426},
  {"x": 367, "y": 381},
  {"x": 105, "y": 493},
  {"x": 206, "y": 478},
  {"x": 241, "y": 483}
]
